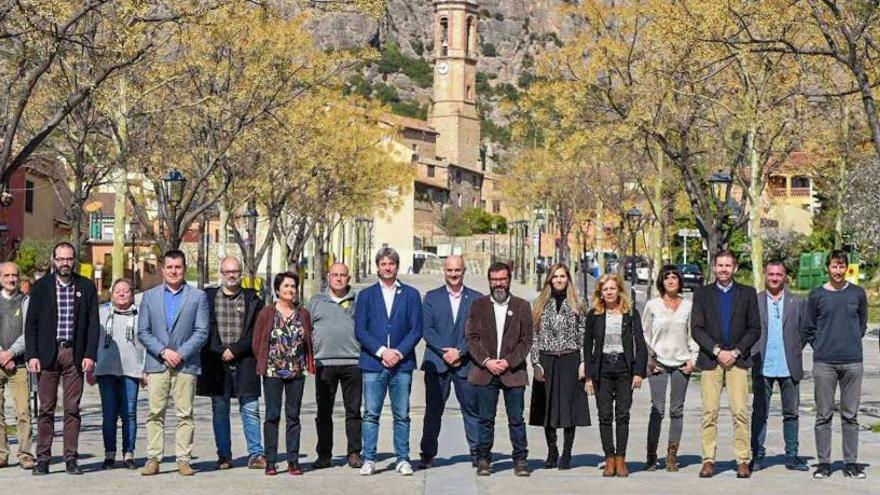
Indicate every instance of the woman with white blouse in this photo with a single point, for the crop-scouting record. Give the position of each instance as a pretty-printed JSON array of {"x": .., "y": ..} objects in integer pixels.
[{"x": 672, "y": 355}]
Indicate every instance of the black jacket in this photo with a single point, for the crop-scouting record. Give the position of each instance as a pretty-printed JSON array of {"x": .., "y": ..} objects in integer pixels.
[
  {"x": 41, "y": 327},
  {"x": 745, "y": 324},
  {"x": 215, "y": 373},
  {"x": 634, "y": 348}
]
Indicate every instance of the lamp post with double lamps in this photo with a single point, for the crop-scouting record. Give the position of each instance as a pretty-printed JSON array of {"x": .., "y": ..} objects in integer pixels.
[{"x": 633, "y": 219}]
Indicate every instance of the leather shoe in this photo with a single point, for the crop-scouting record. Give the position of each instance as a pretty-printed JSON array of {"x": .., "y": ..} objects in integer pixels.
[
  {"x": 185, "y": 469},
  {"x": 355, "y": 461},
  {"x": 224, "y": 463},
  {"x": 151, "y": 468},
  {"x": 26, "y": 462},
  {"x": 796, "y": 464},
  {"x": 610, "y": 466},
  {"x": 757, "y": 463},
  {"x": 41, "y": 468},
  {"x": 257, "y": 462},
  {"x": 521, "y": 468},
  {"x": 294, "y": 470},
  {"x": 743, "y": 471},
  {"x": 426, "y": 462},
  {"x": 72, "y": 468},
  {"x": 708, "y": 470},
  {"x": 483, "y": 468}
]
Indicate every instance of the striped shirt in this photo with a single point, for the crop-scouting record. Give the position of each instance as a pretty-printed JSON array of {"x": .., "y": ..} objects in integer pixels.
[{"x": 64, "y": 296}]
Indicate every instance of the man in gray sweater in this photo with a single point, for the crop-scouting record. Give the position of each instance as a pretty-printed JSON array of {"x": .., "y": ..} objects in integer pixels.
[
  {"x": 336, "y": 358},
  {"x": 13, "y": 308},
  {"x": 837, "y": 318}
]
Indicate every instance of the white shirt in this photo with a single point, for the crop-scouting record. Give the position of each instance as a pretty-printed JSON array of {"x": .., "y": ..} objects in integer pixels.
[
  {"x": 388, "y": 295},
  {"x": 500, "y": 320},
  {"x": 455, "y": 301}
]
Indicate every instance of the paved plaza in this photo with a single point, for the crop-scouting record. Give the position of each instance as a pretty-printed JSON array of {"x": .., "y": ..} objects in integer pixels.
[{"x": 453, "y": 474}]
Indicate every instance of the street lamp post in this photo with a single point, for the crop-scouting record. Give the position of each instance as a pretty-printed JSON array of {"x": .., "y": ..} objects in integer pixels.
[
  {"x": 633, "y": 217},
  {"x": 539, "y": 225},
  {"x": 722, "y": 191},
  {"x": 175, "y": 184}
]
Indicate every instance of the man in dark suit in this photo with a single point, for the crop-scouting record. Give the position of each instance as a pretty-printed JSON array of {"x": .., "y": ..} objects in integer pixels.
[
  {"x": 447, "y": 361},
  {"x": 725, "y": 324},
  {"x": 61, "y": 344},
  {"x": 388, "y": 325},
  {"x": 499, "y": 337},
  {"x": 229, "y": 368},
  {"x": 777, "y": 358}
]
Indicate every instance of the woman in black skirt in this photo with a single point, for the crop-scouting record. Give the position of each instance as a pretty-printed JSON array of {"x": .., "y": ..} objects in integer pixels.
[
  {"x": 617, "y": 358},
  {"x": 559, "y": 399}
]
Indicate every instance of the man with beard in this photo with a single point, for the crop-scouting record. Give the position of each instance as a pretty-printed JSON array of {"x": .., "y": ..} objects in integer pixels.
[
  {"x": 61, "y": 344},
  {"x": 499, "y": 337},
  {"x": 447, "y": 361},
  {"x": 388, "y": 325},
  {"x": 229, "y": 368}
]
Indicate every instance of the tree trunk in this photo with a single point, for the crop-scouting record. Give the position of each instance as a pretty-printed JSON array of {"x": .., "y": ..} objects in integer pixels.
[
  {"x": 119, "y": 218},
  {"x": 658, "y": 230},
  {"x": 842, "y": 167},
  {"x": 269, "y": 273},
  {"x": 755, "y": 187},
  {"x": 202, "y": 254},
  {"x": 870, "y": 104}
]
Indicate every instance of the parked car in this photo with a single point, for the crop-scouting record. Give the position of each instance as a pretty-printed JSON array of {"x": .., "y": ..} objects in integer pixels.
[
  {"x": 643, "y": 269},
  {"x": 425, "y": 262},
  {"x": 693, "y": 276}
]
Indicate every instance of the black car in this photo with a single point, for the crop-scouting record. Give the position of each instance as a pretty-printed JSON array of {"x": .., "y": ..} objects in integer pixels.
[{"x": 693, "y": 276}]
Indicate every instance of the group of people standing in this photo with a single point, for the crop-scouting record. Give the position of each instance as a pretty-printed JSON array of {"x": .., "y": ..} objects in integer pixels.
[{"x": 225, "y": 343}]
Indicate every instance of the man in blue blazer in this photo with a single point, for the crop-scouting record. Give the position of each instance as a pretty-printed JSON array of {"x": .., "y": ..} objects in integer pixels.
[
  {"x": 173, "y": 326},
  {"x": 388, "y": 325},
  {"x": 447, "y": 361}
]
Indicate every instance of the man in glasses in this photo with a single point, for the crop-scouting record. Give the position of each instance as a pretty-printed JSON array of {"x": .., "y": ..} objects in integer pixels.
[
  {"x": 778, "y": 359},
  {"x": 61, "y": 343},
  {"x": 229, "y": 366}
]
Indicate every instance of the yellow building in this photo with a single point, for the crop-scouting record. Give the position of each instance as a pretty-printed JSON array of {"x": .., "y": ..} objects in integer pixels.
[{"x": 788, "y": 201}]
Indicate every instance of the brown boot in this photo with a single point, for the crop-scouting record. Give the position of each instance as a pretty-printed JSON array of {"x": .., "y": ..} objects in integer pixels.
[
  {"x": 620, "y": 466},
  {"x": 672, "y": 457},
  {"x": 151, "y": 468},
  {"x": 610, "y": 466}
]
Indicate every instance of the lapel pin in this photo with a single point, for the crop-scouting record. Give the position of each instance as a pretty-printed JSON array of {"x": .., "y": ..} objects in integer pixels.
[
  {"x": 509, "y": 313},
  {"x": 78, "y": 294},
  {"x": 398, "y": 291}
]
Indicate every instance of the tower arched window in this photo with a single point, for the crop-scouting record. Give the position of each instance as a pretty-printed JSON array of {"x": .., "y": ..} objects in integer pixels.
[{"x": 471, "y": 36}]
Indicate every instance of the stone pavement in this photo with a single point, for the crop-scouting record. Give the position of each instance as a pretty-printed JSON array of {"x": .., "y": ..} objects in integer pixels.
[{"x": 453, "y": 474}]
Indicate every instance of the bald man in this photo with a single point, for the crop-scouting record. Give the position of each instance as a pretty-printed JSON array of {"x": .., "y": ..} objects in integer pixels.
[
  {"x": 13, "y": 307},
  {"x": 336, "y": 358},
  {"x": 446, "y": 360}
]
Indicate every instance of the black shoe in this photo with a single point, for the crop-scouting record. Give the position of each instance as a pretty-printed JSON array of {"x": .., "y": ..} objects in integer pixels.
[
  {"x": 475, "y": 463},
  {"x": 854, "y": 471},
  {"x": 552, "y": 457},
  {"x": 565, "y": 461},
  {"x": 72, "y": 467},
  {"x": 129, "y": 464},
  {"x": 355, "y": 461},
  {"x": 483, "y": 468},
  {"x": 41, "y": 468},
  {"x": 322, "y": 463},
  {"x": 108, "y": 464},
  {"x": 796, "y": 464},
  {"x": 822, "y": 471},
  {"x": 651, "y": 462},
  {"x": 757, "y": 463},
  {"x": 425, "y": 462},
  {"x": 521, "y": 468}
]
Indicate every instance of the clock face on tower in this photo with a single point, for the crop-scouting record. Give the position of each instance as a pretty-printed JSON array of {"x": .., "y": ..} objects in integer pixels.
[{"x": 443, "y": 67}]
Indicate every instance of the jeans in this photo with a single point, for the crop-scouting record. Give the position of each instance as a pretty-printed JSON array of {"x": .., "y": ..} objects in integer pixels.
[
  {"x": 437, "y": 387},
  {"x": 397, "y": 385},
  {"x": 826, "y": 377},
  {"x": 613, "y": 402},
  {"x": 292, "y": 390},
  {"x": 514, "y": 402},
  {"x": 119, "y": 395},
  {"x": 762, "y": 387},
  {"x": 658, "y": 383},
  {"x": 249, "y": 408},
  {"x": 327, "y": 380}
]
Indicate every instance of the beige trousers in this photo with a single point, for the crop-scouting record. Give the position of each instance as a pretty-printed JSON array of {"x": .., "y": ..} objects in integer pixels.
[
  {"x": 737, "y": 382},
  {"x": 182, "y": 386},
  {"x": 18, "y": 385}
]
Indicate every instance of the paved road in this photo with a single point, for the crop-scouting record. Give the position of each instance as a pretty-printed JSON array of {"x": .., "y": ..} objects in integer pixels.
[{"x": 453, "y": 476}]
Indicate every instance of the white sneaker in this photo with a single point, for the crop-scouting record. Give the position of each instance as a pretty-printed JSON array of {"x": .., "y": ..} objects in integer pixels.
[
  {"x": 368, "y": 468},
  {"x": 404, "y": 468}
]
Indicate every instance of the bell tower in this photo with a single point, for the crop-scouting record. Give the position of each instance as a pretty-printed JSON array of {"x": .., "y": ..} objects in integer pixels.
[{"x": 454, "y": 112}]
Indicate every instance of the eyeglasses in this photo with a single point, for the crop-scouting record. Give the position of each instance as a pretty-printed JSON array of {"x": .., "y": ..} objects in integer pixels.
[{"x": 230, "y": 272}]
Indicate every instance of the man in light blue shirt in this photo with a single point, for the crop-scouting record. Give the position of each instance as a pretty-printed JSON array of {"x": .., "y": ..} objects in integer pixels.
[{"x": 777, "y": 359}]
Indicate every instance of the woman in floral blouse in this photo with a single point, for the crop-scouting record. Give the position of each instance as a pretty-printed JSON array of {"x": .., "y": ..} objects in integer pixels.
[
  {"x": 559, "y": 399},
  {"x": 283, "y": 348}
]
